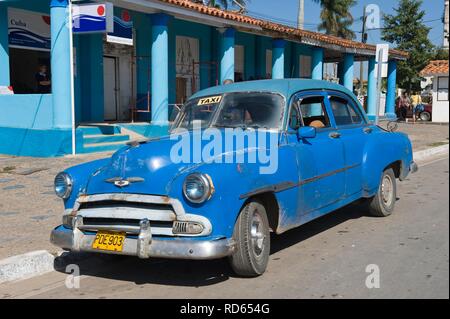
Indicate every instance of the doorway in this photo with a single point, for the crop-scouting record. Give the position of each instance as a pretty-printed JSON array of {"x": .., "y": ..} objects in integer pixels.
[{"x": 110, "y": 88}]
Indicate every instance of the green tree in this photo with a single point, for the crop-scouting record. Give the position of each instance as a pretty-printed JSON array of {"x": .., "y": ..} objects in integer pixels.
[
  {"x": 440, "y": 54},
  {"x": 406, "y": 30},
  {"x": 336, "y": 17}
]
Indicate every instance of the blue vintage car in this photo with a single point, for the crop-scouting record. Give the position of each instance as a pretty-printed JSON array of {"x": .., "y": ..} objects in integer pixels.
[{"x": 242, "y": 160}]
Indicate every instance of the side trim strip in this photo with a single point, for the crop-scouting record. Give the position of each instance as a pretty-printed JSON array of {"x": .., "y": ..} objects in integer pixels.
[{"x": 276, "y": 188}]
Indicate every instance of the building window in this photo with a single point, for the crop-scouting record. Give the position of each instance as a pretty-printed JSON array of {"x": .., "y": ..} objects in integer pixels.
[{"x": 442, "y": 88}]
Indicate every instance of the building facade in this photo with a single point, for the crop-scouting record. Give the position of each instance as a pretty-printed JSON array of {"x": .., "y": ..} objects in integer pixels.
[
  {"x": 438, "y": 71},
  {"x": 160, "y": 53}
]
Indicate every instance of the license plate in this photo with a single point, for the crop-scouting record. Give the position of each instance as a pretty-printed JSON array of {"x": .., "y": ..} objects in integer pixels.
[{"x": 111, "y": 241}]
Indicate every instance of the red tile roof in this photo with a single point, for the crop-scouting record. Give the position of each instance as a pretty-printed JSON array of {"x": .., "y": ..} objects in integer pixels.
[
  {"x": 435, "y": 67},
  {"x": 281, "y": 30}
]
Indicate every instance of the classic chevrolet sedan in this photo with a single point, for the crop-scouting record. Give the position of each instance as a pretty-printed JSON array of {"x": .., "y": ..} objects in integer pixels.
[{"x": 242, "y": 160}]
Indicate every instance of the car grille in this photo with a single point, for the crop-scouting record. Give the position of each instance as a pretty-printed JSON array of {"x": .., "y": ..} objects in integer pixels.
[{"x": 125, "y": 216}]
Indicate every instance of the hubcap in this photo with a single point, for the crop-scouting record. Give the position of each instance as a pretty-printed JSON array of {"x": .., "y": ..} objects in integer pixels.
[
  {"x": 387, "y": 190},
  {"x": 257, "y": 234}
]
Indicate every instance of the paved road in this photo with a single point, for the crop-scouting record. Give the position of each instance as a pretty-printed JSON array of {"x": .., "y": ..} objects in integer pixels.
[{"x": 326, "y": 258}]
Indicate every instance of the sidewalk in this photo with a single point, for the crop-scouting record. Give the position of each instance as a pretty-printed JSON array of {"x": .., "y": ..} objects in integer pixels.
[{"x": 29, "y": 208}]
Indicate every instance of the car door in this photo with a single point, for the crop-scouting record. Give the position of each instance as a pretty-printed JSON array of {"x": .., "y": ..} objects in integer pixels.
[
  {"x": 320, "y": 159},
  {"x": 354, "y": 132}
]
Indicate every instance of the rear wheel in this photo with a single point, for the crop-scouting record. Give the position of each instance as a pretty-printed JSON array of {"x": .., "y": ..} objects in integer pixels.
[
  {"x": 252, "y": 238},
  {"x": 425, "y": 116},
  {"x": 383, "y": 203}
]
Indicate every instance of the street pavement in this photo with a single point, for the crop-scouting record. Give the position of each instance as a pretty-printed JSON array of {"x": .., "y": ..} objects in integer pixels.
[{"x": 326, "y": 258}]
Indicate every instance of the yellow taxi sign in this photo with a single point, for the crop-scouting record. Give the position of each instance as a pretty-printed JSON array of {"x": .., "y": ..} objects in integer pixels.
[{"x": 210, "y": 100}]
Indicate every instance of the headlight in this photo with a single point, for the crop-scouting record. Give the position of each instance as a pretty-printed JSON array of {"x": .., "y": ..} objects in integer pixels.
[
  {"x": 63, "y": 185},
  {"x": 198, "y": 188}
]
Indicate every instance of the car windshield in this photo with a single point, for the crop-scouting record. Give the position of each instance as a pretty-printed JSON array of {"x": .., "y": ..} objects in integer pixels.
[{"x": 244, "y": 110}]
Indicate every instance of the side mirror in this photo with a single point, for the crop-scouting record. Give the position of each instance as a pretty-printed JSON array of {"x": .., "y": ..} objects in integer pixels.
[{"x": 306, "y": 132}]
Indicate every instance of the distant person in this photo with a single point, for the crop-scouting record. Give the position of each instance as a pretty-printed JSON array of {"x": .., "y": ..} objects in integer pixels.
[
  {"x": 416, "y": 101},
  {"x": 44, "y": 84},
  {"x": 404, "y": 104}
]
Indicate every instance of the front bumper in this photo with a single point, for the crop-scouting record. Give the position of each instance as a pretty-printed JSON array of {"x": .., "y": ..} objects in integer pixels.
[{"x": 144, "y": 246}]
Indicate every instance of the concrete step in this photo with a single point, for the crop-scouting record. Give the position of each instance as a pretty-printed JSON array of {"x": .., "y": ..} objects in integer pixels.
[
  {"x": 102, "y": 147},
  {"x": 99, "y": 129},
  {"x": 95, "y": 139}
]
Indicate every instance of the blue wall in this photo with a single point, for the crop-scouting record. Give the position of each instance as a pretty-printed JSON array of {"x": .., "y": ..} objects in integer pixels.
[{"x": 89, "y": 102}]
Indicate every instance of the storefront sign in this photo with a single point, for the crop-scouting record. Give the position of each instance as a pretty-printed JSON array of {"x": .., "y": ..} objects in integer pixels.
[
  {"x": 123, "y": 30},
  {"x": 93, "y": 18},
  {"x": 28, "y": 30}
]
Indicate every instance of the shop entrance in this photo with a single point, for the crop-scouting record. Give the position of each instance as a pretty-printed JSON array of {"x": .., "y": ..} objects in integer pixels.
[{"x": 118, "y": 76}]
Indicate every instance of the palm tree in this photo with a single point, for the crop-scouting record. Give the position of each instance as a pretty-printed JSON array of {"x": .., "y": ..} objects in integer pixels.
[{"x": 336, "y": 17}]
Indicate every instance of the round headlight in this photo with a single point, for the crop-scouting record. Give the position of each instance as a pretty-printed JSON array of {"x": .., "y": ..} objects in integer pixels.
[
  {"x": 197, "y": 188},
  {"x": 63, "y": 185}
]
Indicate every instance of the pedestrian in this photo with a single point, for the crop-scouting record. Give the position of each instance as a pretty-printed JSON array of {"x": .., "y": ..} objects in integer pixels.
[
  {"x": 43, "y": 80},
  {"x": 416, "y": 101},
  {"x": 403, "y": 106}
]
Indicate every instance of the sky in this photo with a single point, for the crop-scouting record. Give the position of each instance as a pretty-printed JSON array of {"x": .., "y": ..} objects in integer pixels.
[{"x": 285, "y": 12}]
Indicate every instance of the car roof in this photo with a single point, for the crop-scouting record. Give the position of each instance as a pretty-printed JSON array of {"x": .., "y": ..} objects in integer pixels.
[{"x": 285, "y": 87}]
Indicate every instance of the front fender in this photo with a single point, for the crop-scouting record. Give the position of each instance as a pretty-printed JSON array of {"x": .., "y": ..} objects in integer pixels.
[
  {"x": 233, "y": 184},
  {"x": 80, "y": 176},
  {"x": 383, "y": 149}
]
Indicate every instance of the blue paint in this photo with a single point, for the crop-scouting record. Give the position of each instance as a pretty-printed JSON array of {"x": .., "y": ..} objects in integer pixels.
[
  {"x": 317, "y": 63},
  {"x": 227, "y": 55},
  {"x": 147, "y": 130},
  {"x": 36, "y": 142},
  {"x": 26, "y": 111},
  {"x": 60, "y": 63},
  {"x": 391, "y": 89},
  {"x": 160, "y": 68},
  {"x": 262, "y": 45},
  {"x": 4, "y": 46},
  {"x": 371, "y": 90},
  {"x": 89, "y": 99},
  {"x": 278, "y": 58},
  {"x": 347, "y": 71}
]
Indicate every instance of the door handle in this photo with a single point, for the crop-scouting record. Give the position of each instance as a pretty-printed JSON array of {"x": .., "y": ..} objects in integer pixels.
[
  {"x": 368, "y": 130},
  {"x": 335, "y": 135}
]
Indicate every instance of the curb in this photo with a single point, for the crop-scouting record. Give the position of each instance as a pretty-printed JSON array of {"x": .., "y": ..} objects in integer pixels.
[
  {"x": 39, "y": 262},
  {"x": 25, "y": 266},
  {"x": 430, "y": 152}
]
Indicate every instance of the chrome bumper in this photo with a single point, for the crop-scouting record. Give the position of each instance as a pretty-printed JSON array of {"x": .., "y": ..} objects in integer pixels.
[{"x": 144, "y": 246}]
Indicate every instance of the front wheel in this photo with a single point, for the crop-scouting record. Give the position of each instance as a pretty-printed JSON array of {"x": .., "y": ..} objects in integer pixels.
[
  {"x": 383, "y": 203},
  {"x": 252, "y": 240}
]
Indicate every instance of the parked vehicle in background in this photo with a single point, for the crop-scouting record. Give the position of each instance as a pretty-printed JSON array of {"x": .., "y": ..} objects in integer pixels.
[
  {"x": 424, "y": 112},
  {"x": 141, "y": 202}
]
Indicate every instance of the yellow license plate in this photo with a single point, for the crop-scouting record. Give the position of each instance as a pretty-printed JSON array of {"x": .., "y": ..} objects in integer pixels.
[{"x": 111, "y": 241}]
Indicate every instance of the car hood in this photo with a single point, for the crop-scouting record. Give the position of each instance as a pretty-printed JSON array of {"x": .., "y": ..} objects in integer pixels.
[{"x": 147, "y": 168}]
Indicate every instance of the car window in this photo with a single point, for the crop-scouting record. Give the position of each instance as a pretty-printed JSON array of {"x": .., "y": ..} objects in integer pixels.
[
  {"x": 256, "y": 110},
  {"x": 344, "y": 113},
  {"x": 313, "y": 112},
  {"x": 294, "y": 117}
]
